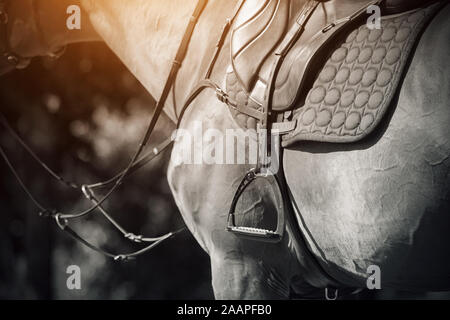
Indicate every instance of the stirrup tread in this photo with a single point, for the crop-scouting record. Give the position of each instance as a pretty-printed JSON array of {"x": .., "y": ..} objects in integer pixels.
[{"x": 253, "y": 230}]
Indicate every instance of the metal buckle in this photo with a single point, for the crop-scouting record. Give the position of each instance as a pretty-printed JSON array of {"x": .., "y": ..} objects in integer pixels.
[
  {"x": 257, "y": 233},
  {"x": 222, "y": 95}
]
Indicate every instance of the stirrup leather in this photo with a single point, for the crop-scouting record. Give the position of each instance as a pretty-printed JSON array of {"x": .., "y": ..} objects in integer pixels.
[{"x": 257, "y": 233}]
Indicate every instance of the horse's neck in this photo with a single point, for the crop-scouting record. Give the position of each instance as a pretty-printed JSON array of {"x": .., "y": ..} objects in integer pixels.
[{"x": 146, "y": 35}]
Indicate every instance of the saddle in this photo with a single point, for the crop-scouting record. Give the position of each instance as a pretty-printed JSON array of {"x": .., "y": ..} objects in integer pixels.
[
  {"x": 336, "y": 65},
  {"x": 317, "y": 71}
]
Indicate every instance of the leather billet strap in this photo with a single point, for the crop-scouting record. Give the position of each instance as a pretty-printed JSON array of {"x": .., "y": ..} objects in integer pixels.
[{"x": 280, "y": 54}]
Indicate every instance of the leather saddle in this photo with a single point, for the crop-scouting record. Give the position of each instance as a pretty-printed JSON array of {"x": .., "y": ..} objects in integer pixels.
[
  {"x": 315, "y": 70},
  {"x": 336, "y": 70}
]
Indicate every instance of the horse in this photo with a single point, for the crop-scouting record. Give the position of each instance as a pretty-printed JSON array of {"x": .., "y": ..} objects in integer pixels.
[{"x": 381, "y": 201}]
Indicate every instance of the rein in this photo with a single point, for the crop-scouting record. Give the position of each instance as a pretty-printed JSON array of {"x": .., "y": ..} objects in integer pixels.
[{"x": 138, "y": 160}]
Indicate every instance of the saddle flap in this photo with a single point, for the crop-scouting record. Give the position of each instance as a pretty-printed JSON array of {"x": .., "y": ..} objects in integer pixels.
[
  {"x": 261, "y": 29},
  {"x": 258, "y": 29},
  {"x": 338, "y": 84}
]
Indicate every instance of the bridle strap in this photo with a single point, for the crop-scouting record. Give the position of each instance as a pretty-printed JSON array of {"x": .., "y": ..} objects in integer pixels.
[
  {"x": 221, "y": 42},
  {"x": 199, "y": 88},
  {"x": 118, "y": 257},
  {"x": 176, "y": 64},
  {"x": 137, "y": 162},
  {"x": 179, "y": 58},
  {"x": 62, "y": 219}
]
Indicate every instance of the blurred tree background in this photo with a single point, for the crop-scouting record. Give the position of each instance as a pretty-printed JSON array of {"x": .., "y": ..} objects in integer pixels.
[{"x": 85, "y": 114}]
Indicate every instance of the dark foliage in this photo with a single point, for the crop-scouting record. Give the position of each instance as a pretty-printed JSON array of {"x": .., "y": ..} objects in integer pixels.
[{"x": 84, "y": 115}]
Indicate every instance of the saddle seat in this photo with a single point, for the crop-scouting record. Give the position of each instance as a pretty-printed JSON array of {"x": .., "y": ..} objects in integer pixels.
[{"x": 338, "y": 79}]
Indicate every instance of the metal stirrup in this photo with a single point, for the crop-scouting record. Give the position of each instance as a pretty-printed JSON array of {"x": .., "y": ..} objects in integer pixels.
[{"x": 256, "y": 233}]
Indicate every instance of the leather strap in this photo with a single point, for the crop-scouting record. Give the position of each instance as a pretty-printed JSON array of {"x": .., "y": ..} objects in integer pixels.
[
  {"x": 280, "y": 54},
  {"x": 62, "y": 220},
  {"x": 220, "y": 43},
  {"x": 206, "y": 82},
  {"x": 329, "y": 30},
  {"x": 176, "y": 65}
]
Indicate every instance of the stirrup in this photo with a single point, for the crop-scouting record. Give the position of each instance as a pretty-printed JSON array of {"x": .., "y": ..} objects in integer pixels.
[{"x": 257, "y": 233}]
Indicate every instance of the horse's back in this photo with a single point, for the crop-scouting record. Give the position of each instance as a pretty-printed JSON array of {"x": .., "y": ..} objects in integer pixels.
[{"x": 385, "y": 201}]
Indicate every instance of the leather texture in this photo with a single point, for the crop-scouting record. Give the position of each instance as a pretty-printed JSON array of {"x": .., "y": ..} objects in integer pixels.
[
  {"x": 320, "y": 71},
  {"x": 262, "y": 25},
  {"x": 255, "y": 40},
  {"x": 258, "y": 30}
]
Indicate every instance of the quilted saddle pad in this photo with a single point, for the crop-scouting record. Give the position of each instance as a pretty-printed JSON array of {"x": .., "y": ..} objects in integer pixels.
[
  {"x": 359, "y": 81},
  {"x": 354, "y": 81}
]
